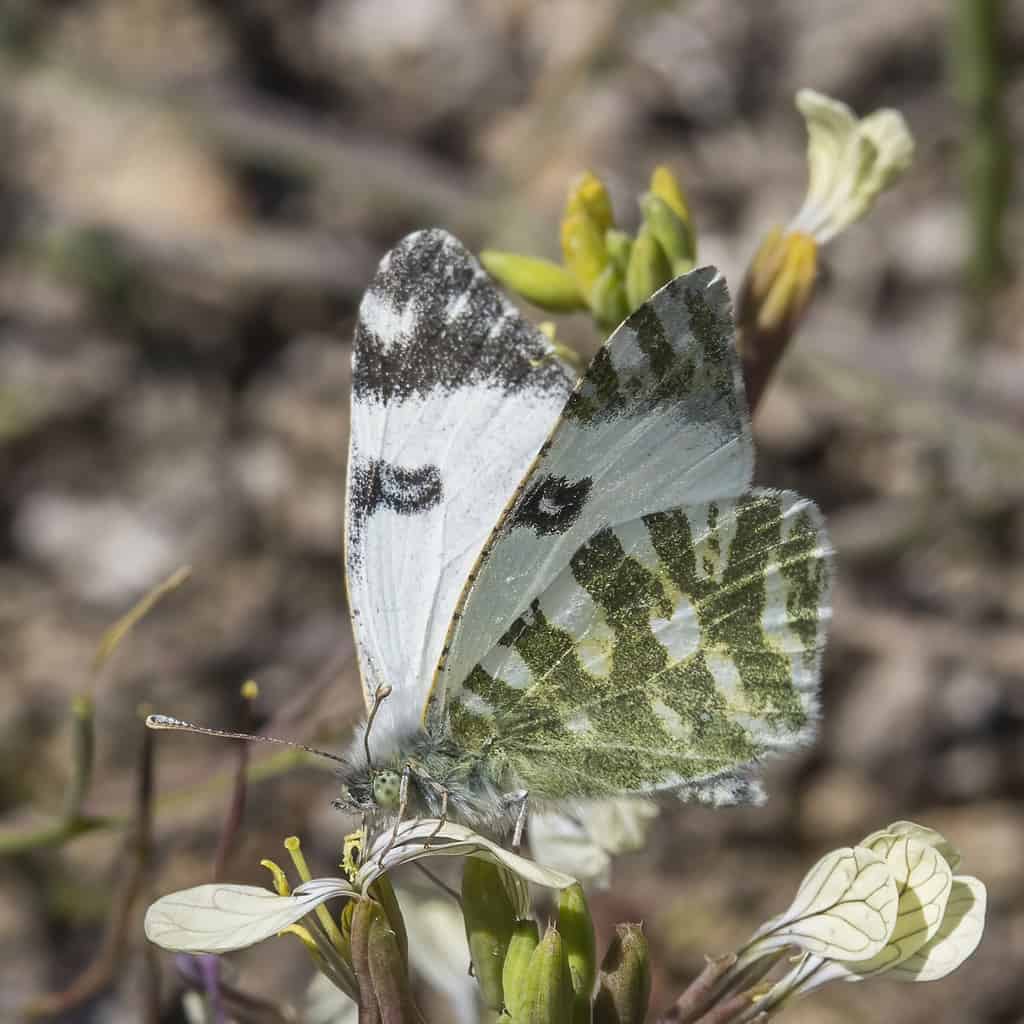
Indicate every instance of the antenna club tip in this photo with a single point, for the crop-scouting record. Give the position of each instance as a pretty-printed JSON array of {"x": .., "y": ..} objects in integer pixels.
[{"x": 160, "y": 722}]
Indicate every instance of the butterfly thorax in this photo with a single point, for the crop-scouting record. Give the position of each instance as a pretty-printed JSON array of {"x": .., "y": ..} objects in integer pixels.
[{"x": 467, "y": 786}]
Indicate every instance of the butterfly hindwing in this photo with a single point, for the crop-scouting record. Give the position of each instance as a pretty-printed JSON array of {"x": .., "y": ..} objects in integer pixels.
[
  {"x": 453, "y": 393},
  {"x": 672, "y": 652},
  {"x": 658, "y": 420}
]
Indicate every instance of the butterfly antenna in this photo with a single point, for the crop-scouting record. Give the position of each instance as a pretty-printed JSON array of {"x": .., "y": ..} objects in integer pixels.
[
  {"x": 166, "y": 722},
  {"x": 382, "y": 693}
]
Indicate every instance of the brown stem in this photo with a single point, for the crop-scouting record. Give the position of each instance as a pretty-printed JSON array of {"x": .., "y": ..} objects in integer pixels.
[
  {"x": 697, "y": 996},
  {"x": 135, "y": 858}
]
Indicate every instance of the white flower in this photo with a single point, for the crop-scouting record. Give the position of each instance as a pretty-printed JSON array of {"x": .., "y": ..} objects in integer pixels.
[
  {"x": 583, "y": 840},
  {"x": 937, "y": 917},
  {"x": 850, "y": 161},
  {"x": 221, "y": 917}
]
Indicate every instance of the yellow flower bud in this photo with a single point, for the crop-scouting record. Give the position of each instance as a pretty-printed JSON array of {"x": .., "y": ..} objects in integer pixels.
[
  {"x": 583, "y": 249},
  {"x": 666, "y": 187},
  {"x": 588, "y": 194},
  {"x": 782, "y": 278},
  {"x": 772, "y": 299},
  {"x": 541, "y": 282}
]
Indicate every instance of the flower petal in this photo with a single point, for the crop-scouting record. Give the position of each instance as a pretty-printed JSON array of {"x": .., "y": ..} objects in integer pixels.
[
  {"x": 850, "y": 162},
  {"x": 922, "y": 834},
  {"x": 562, "y": 841},
  {"x": 415, "y": 840},
  {"x": 218, "y": 918},
  {"x": 957, "y": 938},
  {"x": 845, "y": 908},
  {"x": 923, "y": 879}
]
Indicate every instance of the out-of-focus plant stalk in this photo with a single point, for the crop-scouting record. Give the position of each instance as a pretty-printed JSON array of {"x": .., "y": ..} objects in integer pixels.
[{"x": 979, "y": 81}]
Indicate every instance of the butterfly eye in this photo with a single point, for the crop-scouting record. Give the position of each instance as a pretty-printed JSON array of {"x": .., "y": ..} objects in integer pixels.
[{"x": 386, "y": 788}]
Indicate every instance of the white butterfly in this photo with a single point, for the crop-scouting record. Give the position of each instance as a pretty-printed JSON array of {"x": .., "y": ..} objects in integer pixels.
[{"x": 566, "y": 590}]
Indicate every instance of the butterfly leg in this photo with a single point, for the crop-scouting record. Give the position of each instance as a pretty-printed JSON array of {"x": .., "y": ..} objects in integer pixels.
[
  {"x": 522, "y": 798},
  {"x": 442, "y": 817},
  {"x": 403, "y": 806}
]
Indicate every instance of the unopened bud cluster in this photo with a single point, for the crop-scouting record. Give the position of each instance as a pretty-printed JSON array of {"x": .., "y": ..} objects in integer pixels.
[
  {"x": 604, "y": 269},
  {"x": 550, "y": 978},
  {"x": 610, "y": 273}
]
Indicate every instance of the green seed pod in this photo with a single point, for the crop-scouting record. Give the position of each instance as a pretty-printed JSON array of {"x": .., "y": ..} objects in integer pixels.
[
  {"x": 577, "y": 930},
  {"x": 388, "y": 974},
  {"x": 525, "y": 939},
  {"x": 546, "y": 996},
  {"x": 545, "y": 284},
  {"x": 624, "y": 989},
  {"x": 674, "y": 235},
  {"x": 490, "y": 918},
  {"x": 607, "y": 299},
  {"x": 648, "y": 268}
]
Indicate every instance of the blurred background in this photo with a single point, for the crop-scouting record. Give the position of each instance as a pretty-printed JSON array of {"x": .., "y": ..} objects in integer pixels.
[{"x": 193, "y": 195}]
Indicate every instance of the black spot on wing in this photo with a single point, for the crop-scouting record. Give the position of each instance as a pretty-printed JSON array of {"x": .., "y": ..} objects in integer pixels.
[
  {"x": 551, "y": 504},
  {"x": 445, "y": 326},
  {"x": 378, "y": 484}
]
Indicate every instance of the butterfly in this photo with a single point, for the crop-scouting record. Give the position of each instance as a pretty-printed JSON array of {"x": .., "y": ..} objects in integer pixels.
[{"x": 562, "y": 589}]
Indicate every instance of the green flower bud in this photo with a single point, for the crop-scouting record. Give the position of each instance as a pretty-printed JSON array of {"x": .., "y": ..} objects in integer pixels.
[
  {"x": 384, "y": 893},
  {"x": 674, "y": 235},
  {"x": 577, "y": 930},
  {"x": 541, "y": 282},
  {"x": 619, "y": 246},
  {"x": 490, "y": 919},
  {"x": 525, "y": 939},
  {"x": 547, "y": 995},
  {"x": 648, "y": 268},
  {"x": 388, "y": 973},
  {"x": 625, "y": 986},
  {"x": 607, "y": 299},
  {"x": 587, "y": 194}
]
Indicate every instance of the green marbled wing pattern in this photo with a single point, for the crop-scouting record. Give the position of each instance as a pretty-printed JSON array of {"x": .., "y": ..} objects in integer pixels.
[{"x": 673, "y": 652}]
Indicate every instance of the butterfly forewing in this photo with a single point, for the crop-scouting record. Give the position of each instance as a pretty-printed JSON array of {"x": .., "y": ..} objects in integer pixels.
[
  {"x": 453, "y": 393},
  {"x": 659, "y": 420},
  {"x": 672, "y": 651}
]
